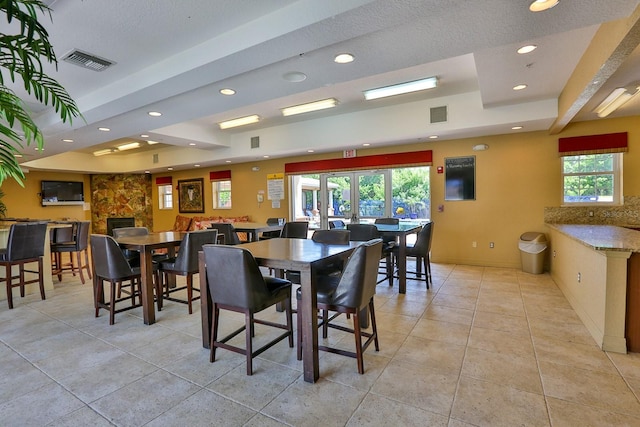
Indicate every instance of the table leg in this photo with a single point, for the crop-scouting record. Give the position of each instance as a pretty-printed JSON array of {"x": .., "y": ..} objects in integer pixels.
[
  {"x": 146, "y": 272},
  {"x": 308, "y": 310},
  {"x": 402, "y": 264}
]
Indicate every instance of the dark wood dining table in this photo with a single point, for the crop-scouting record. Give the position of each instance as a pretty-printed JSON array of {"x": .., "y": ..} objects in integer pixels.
[
  {"x": 400, "y": 231},
  {"x": 146, "y": 245},
  {"x": 302, "y": 255},
  {"x": 253, "y": 229}
]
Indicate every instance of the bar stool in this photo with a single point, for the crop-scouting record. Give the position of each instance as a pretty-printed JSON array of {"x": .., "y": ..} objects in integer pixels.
[{"x": 78, "y": 245}]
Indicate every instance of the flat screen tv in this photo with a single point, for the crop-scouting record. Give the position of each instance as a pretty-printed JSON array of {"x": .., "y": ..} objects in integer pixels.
[{"x": 61, "y": 193}]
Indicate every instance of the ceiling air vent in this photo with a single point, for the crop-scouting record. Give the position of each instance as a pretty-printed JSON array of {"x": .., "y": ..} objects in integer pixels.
[
  {"x": 87, "y": 60},
  {"x": 438, "y": 114},
  {"x": 255, "y": 142}
]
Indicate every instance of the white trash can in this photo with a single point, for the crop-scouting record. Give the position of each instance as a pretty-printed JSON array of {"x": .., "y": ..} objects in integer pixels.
[{"x": 533, "y": 246}]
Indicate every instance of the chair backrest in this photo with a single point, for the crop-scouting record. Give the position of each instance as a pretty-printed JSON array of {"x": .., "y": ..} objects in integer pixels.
[
  {"x": 130, "y": 231},
  {"x": 113, "y": 223},
  {"x": 234, "y": 278},
  {"x": 82, "y": 235},
  {"x": 108, "y": 260},
  {"x": 358, "y": 281},
  {"x": 26, "y": 240},
  {"x": 187, "y": 259},
  {"x": 363, "y": 232},
  {"x": 389, "y": 221},
  {"x": 332, "y": 237},
  {"x": 295, "y": 230},
  {"x": 275, "y": 221},
  {"x": 337, "y": 223},
  {"x": 423, "y": 241},
  {"x": 228, "y": 231}
]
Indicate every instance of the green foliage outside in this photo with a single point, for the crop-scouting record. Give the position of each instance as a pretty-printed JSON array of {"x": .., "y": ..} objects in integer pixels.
[
  {"x": 588, "y": 177},
  {"x": 24, "y": 46}
]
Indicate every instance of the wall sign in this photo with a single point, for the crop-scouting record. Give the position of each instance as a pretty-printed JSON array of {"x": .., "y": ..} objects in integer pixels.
[{"x": 460, "y": 178}]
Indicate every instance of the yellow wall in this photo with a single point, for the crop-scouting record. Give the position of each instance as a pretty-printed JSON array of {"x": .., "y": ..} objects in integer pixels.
[
  {"x": 516, "y": 178},
  {"x": 26, "y": 202}
]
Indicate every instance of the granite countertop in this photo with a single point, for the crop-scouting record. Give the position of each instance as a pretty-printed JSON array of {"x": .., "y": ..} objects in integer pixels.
[{"x": 602, "y": 237}]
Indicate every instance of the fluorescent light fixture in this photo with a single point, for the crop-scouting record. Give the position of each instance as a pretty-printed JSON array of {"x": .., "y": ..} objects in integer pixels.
[
  {"x": 240, "y": 121},
  {"x": 616, "y": 99},
  {"x": 129, "y": 146},
  {"x": 67, "y": 140},
  {"x": 151, "y": 142},
  {"x": 414, "y": 86},
  {"x": 104, "y": 129},
  {"x": 311, "y": 106},
  {"x": 541, "y": 5},
  {"x": 102, "y": 152}
]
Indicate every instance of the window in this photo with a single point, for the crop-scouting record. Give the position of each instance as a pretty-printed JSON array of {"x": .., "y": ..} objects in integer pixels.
[
  {"x": 165, "y": 196},
  {"x": 592, "y": 179},
  {"x": 221, "y": 194}
]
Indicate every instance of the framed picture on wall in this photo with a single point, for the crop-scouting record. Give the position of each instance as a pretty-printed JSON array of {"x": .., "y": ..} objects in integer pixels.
[
  {"x": 460, "y": 178},
  {"x": 191, "y": 195}
]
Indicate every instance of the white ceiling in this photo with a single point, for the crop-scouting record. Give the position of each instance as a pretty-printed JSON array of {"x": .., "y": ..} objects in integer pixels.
[{"x": 174, "y": 56}]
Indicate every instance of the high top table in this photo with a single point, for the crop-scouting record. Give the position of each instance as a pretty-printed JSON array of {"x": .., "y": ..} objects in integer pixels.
[
  {"x": 301, "y": 255},
  {"x": 400, "y": 231}
]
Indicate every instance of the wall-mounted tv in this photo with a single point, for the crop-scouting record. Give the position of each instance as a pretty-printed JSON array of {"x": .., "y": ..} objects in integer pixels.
[{"x": 61, "y": 193}]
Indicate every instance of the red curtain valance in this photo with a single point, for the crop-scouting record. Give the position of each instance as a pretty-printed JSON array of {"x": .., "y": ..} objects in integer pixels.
[
  {"x": 164, "y": 180},
  {"x": 593, "y": 144},
  {"x": 378, "y": 161},
  {"x": 220, "y": 175}
]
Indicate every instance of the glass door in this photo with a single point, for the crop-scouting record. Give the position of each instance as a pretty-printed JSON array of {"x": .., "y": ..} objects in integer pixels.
[{"x": 354, "y": 197}]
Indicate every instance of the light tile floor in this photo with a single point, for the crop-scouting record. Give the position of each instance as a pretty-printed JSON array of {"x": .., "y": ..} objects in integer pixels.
[{"x": 485, "y": 346}]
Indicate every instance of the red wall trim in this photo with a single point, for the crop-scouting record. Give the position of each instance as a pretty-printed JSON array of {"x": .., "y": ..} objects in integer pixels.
[
  {"x": 593, "y": 144},
  {"x": 220, "y": 175},
  {"x": 164, "y": 180},
  {"x": 413, "y": 158}
]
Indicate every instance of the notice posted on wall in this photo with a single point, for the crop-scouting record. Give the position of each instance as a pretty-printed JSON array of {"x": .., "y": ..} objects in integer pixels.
[{"x": 275, "y": 186}]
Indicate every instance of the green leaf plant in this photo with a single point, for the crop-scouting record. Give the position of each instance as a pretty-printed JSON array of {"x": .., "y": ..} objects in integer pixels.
[{"x": 21, "y": 59}]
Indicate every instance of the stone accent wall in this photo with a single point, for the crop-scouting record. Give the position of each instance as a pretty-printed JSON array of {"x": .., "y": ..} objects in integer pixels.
[
  {"x": 627, "y": 215},
  {"x": 121, "y": 195}
]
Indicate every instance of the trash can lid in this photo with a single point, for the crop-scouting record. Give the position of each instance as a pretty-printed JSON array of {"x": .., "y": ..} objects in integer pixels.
[{"x": 533, "y": 236}]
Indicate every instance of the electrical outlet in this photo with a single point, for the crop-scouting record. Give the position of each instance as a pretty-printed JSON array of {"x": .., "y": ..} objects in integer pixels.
[
  {"x": 491, "y": 245},
  {"x": 590, "y": 213},
  {"x": 474, "y": 244},
  {"x": 579, "y": 277},
  {"x": 554, "y": 253}
]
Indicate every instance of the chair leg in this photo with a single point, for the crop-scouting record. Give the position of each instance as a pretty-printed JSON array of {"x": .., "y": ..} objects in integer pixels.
[
  {"x": 299, "y": 334},
  {"x": 427, "y": 272},
  {"x": 9, "y": 287},
  {"x": 358, "y": 337},
  {"x": 288, "y": 311},
  {"x": 325, "y": 323},
  {"x": 248, "y": 318},
  {"x": 59, "y": 265},
  {"x": 112, "y": 302},
  {"x": 374, "y": 327},
  {"x": 41, "y": 279},
  {"x": 389, "y": 269},
  {"x": 158, "y": 277},
  {"x": 79, "y": 259},
  {"x": 87, "y": 264},
  {"x": 98, "y": 293},
  {"x": 190, "y": 291},
  {"x": 214, "y": 333}
]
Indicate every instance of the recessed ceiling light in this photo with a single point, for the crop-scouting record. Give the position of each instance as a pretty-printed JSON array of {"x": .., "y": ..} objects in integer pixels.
[
  {"x": 527, "y": 49},
  {"x": 541, "y": 5},
  {"x": 19, "y": 156},
  {"x": 414, "y": 86},
  {"x": 154, "y": 113},
  {"x": 169, "y": 169},
  {"x": 294, "y": 76},
  {"x": 343, "y": 58},
  {"x": 147, "y": 171},
  {"x": 144, "y": 136},
  {"x": 516, "y": 127},
  {"x": 310, "y": 151},
  {"x": 266, "y": 157},
  {"x": 104, "y": 129},
  {"x": 366, "y": 144},
  {"x": 150, "y": 142},
  {"x": 227, "y": 91},
  {"x": 240, "y": 121},
  {"x": 227, "y": 161},
  {"x": 519, "y": 87},
  {"x": 39, "y": 149},
  {"x": 433, "y": 137},
  {"x": 192, "y": 144},
  {"x": 67, "y": 140},
  {"x": 129, "y": 146},
  {"x": 311, "y": 106},
  {"x": 196, "y": 166}
]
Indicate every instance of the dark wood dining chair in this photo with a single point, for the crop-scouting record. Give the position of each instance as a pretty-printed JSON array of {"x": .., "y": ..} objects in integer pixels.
[
  {"x": 366, "y": 232},
  {"x": 227, "y": 231},
  {"x": 25, "y": 245},
  {"x": 337, "y": 223},
  {"x": 76, "y": 243},
  {"x": 273, "y": 234},
  {"x": 350, "y": 293},
  {"x": 388, "y": 243},
  {"x": 236, "y": 284},
  {"x": 185, "y": 264},
  {"x": 295, "y": 230},
  {"x": 421, "y": 251},
  {"x": 110, "y": 265}
]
